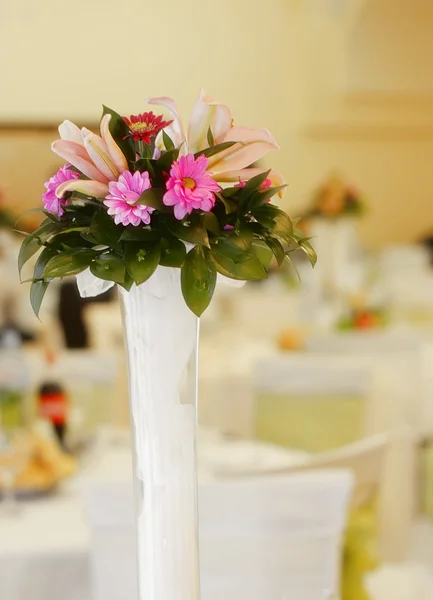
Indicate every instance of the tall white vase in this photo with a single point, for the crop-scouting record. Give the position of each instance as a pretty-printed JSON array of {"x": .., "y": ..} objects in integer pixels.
[{"x": 161, "y": 338}]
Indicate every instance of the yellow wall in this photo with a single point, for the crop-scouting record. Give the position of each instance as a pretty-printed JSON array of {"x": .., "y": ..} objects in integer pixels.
[{"x": 278, "y": 64}]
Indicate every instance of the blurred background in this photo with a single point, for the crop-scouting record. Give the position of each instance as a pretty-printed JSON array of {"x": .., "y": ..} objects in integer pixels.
[{"x": 304, "y": 377}]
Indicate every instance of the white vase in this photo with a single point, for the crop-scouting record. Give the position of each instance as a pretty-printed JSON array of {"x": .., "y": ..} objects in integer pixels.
[
  {"x": 337, "y": 246},
  {"x": 161, "y": 338}
]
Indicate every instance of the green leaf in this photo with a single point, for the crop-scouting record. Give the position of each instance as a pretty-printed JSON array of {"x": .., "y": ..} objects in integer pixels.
[
  {"x": 277, "y": 249},
  {"x": 37, "y": 293},
  {"x": 243, "y": 235},
  {"x": 210, "y": 138},
  {"x": 37, "y": 210},
  {"x": 194, "y": 233},
  {"x": 109, "y": 267},
  {"x": 227, "y": 248},
  {"x": 164, "y": 162},
  {"x": 248, "y": 270},
  {"x": 29, "y": 247},
  {"x": 251, "y": 185},
  {"x": 153, "y": 198},
  {"x": 71, "y": 239},
  {"x": 121, "y": 134},
  {"x": 141, "y": 261},
  {"x": 33, "y": 242},
  {"x": 309, "y": 251},
  {"x": 262, "y": 196},
  {"x": 198, "y": 279},
  {"x": 43, "y": 259},
  {"x": 128, "y": 283},
  {"x": 264, "y": 218},
  {"x": 215, "y": 149},
  {"x": 104, "y": 230},
  {"x": 88, "y": 237},
  {"x": 139, "y": 234},
  {"x": 268, "y": 193},
  {"x": 145, "y": 151},
  {"x": 145, "y": 164},
  {"x": 168, "y": 142},
  {"x": 68, "y": 263},
  {"x": 173, "y": 252},
  {"x": 211, "y": 223},
  {"x": 229, "y": 205},
  {"x": 263, "y": 252},
  {"x": 283, "y": 227}
]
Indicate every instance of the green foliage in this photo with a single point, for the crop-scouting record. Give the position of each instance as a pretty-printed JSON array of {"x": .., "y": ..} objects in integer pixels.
[
  {"x": 153, "y": 198},
  {"x": 141, "y": 261},
  {"x": 104, "y": 230},
  {"x": 189, "y": 231},
  {"x": 168, "y": 142},
  {"x": 37, "y": 293},
  {"x": 109, "y": 267},
  {"x": 210, "y": 138},
  {"x": 173, "y": 252},
  {"x": 226, "y": 248},
  {"x": 198, "y": 279},
  {"x": 277, "y": 249},
  {"x": 208, "y": 152},
  {"x": 70, "y": 262}
]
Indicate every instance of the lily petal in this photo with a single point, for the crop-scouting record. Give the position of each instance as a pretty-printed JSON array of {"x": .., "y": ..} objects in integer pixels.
[
  {"x": 175, "y": 130},
  {"x": 246, "y": 174},
  {"x": 77, "y": 155},
  {"x": 70, "y": 132},
  {"x": 114, "y": 151},
  {"x": 207, "y": 113},
  {"x": 89, "y": 187},
  {"x": 255, "y": 144},
  {"x": 98, "y": 153}
]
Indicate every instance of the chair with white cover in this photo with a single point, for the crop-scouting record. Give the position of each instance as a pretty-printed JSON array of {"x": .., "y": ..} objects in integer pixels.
[
  {"x": 275, "y": 537},
  {"x": 404, "y": 359},
  {"x": 312, "y": 402},
  {"x": 312, "y": 378}
]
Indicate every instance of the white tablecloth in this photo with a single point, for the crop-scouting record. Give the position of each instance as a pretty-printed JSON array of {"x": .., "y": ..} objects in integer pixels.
[{"x": 44, "y": 551}]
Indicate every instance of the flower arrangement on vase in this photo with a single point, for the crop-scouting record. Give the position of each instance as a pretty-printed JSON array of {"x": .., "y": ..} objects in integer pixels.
[
  {"x": 145, "y": 193},
  {"x": 336, "y": 198}
]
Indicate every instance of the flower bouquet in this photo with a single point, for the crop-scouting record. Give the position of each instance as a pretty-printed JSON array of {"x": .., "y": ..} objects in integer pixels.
[
  {"x": 162, "y": 213},
  {"x": 335, "y": 198},
  {"x": 331, "y": 221}
]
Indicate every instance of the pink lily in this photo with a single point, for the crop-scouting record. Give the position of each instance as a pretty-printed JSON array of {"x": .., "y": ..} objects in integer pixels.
[
  {"x": 253, "y": 143},
  {"x": 97, "y": 157}
]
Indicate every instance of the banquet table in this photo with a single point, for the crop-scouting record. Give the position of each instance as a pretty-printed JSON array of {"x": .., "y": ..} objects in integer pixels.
[{"x": 45, "y": 548}]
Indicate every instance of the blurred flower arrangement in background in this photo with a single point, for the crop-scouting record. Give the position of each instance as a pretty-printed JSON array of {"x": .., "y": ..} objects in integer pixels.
[
  {"x": 146, "y": 192},
  {"x": 6, "y": 219},
  {"x": 336, "y": 198}
]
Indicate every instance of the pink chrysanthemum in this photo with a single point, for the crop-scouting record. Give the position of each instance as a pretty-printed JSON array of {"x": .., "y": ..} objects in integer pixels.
[
  {"x": 189, "y": 187},
  {"x": 145, "y": 126},
  {"x": 122, "y": 197},
  {"x": 51, "y": 203}
]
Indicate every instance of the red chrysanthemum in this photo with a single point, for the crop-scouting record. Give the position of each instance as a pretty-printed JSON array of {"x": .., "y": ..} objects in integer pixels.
[{"x": 145, "y": 126}]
